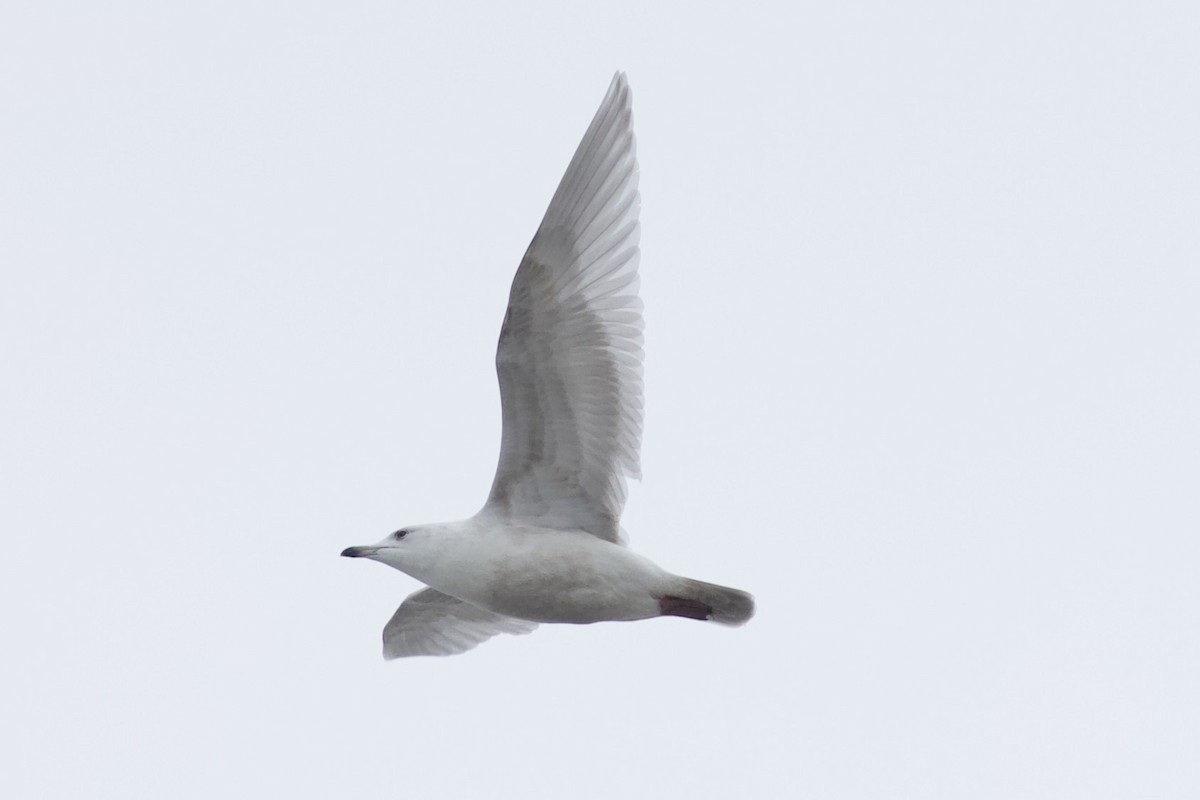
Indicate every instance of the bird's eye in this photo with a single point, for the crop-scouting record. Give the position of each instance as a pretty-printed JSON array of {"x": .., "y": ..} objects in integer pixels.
[{"x": 400, "y": 534}]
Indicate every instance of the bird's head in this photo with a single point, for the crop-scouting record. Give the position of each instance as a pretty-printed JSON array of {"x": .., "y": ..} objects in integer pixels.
[{"x": 410, "y": 549}]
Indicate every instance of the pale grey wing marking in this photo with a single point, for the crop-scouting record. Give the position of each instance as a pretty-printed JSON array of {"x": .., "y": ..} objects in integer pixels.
[
  {"x": 570, "y": 353},
  {"x": 429, "y": 623}
]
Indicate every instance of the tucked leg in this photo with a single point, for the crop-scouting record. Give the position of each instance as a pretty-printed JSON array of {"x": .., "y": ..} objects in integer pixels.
[{"x": 683, "y": 607}]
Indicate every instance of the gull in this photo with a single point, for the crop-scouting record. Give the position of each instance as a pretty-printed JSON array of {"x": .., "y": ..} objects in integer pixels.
[{"x": 547, "y": 546}]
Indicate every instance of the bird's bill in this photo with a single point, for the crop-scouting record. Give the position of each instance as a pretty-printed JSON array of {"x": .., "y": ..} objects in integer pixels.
[{"x": 360, "y": 552}]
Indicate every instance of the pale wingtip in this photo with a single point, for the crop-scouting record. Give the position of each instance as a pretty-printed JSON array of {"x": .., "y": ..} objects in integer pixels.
[{"x": 619, "y": 87}]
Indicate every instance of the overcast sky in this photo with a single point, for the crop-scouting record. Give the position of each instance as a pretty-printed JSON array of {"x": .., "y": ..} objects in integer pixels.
[{"x": 922, "y": 286}]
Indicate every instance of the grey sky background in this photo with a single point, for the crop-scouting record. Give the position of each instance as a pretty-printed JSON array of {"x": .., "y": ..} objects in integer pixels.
[{"x": 921, "y": 284}]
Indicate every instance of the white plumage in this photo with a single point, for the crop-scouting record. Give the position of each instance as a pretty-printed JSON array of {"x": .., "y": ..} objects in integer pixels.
[
  {"x": 547, "y": 546},
  {"x": 570, "y": 352},
  {"x": 430, "y": 623}
]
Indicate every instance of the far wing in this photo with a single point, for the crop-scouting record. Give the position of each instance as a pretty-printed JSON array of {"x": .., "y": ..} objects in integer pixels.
[
  {"x": 570, "y": 353},
  {"x": 429, "y": 623}
]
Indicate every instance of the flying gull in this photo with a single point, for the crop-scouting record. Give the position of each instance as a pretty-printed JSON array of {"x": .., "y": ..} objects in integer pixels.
[{"x": 547, "y": 546}]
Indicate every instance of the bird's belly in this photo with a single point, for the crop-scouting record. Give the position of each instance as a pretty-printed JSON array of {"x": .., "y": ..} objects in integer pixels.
[
  {"x": 572, "y": 598},
  {"x": 562, "y": 577}
]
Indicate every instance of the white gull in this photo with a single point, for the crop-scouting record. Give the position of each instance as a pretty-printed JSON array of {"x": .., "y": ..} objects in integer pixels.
[{"x": 548, "y": 546}]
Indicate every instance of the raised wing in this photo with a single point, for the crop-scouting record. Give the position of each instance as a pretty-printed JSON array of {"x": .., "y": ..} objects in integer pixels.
[
  {"x": 570, "y": 353},
  {"x": 429, "y": 623}
]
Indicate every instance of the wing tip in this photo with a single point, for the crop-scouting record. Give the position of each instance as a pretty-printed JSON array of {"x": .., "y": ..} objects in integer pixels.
[{"x": 619, "y": 94}]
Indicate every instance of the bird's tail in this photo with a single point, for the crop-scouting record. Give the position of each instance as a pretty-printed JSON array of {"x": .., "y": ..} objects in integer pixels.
[{"x": 707, "y": 601}]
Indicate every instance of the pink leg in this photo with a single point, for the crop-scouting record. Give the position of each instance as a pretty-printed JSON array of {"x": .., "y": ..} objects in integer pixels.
[{"x": 682, "y": 607}]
